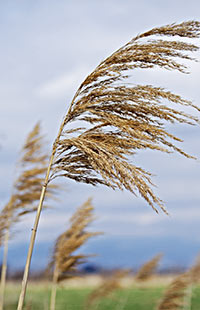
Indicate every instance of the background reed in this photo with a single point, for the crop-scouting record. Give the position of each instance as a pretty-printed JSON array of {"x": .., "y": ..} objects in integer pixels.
[
  {"x": 148, "y": 268},
  {"x": 107, "y": 288},
  {"x": 29, "y": 178},
  {"x": 64, "y": 261}
]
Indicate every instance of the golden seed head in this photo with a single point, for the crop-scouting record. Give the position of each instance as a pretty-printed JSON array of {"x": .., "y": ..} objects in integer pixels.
[{"x": 122, "y": 119}]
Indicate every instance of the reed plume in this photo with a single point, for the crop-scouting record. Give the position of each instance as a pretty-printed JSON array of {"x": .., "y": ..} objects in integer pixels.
[
  {"x": 31, "y": 168},
  {"x": 179, "y": 293},
  {"x": 194, "y": 275},
  {"x": 64, "y": 262},
  {"x": 107, "y": 287},
  {"x": 25, "y": 192},
  {"x": 146, "y": 271},
  {"x": 123, "y": 119},
  {"x": 195, "y": 271},
  {"x": 119, "y": 119},
  {"x": 175, "y": 296}
]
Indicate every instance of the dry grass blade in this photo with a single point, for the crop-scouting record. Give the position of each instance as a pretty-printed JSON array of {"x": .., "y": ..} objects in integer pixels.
[
  {"x": 123, "y": 119},
  {"x": 146, "y": 271},
  {"x": 174, "y": 297},
  {"x": 107, "y": 288}
]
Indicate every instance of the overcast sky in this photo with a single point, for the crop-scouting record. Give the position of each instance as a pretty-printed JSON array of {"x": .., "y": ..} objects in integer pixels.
[{"x": 47, "y": 49}]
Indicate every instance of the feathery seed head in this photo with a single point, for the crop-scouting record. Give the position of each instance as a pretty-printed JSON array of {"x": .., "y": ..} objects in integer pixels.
[
  {"x": 64, "y": 259},
  {"x": 174, "y": 297},
  {"x": 146, "y": 271},
  {"x": 122, "y": 119},
  {"x": 31, "y": 166},
  {"x": 108, "y": 286}
]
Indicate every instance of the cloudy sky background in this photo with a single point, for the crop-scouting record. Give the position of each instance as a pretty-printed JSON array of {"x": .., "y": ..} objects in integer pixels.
[{"x": 47, "y": 49}]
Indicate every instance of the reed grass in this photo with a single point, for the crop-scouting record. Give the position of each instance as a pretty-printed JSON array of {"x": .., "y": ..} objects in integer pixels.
[
  {"x": 64, "y": 261},
  {"x": 148, "y": 269},
  {"x": 195, "y": 271},
  {"x": 194, "y": 275},
  {"x": 125, "y": 119},
  {"x": 122, "y": 119},
  {"x": 30, "y": 170},
  {"x": 175, "y": 296},
  {"x": 179, "y": 294},
  {"x": 108, "y": 286}
]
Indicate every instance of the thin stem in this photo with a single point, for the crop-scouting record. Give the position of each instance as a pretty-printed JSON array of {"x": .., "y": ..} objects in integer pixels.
[
  {"x": 34, "y": 229},
  {"x": 4, "y": 268},
  {"x": 54, "y": 288},
  {"x": 188, "y": 298},
  {"x": 32, "y": 241}
]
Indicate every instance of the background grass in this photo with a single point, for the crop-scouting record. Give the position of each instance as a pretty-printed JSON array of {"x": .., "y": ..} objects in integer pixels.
[{"x": 73, "y": 298}]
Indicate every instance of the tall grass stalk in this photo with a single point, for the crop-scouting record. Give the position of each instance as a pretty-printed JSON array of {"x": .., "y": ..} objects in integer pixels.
[
  {"x": 29, "y": 177},
  {"x": 121, "y": 120},
  {"x": 4, "y": 268},
  {"x": 33, "y": 235},
  {"x": 54, "y": 289}
]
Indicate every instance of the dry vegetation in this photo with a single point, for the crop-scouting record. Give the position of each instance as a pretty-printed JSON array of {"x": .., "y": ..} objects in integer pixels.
[
  {"x": 115, "y": 120},
  {"x": 174, "y": 297},
  {"x": 30, "y": 170},
  {"x": 107, "y": 287},
  {"x": 124, "y": 119},
  {"x": 64, "y": 262},
  {"x": 146, "y": 271}
]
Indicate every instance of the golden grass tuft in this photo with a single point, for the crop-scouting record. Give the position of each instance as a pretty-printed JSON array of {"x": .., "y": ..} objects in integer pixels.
[
  {"x": 175, "y": 296},
  {"x": 148, "y": 269},
  {"x": 122, "y": 119},
  {"x": 33, "y": 163},
  {"x": 26, "y": 190},
  {"x": 64, "y": 259},
  {"x": 31, "y": 168},
  {"x": 195, "y": 271},
  {"x": 64, "y": 262},
  {"x": 108, "y": 286},
  {"x": 179, "y": 294}
]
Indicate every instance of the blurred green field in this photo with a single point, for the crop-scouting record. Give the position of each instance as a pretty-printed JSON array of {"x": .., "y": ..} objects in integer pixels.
[{"x": 38, "y": 296}]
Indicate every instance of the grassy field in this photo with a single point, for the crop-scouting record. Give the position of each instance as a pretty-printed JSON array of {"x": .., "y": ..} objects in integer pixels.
[{"x": 74, "y": 298}]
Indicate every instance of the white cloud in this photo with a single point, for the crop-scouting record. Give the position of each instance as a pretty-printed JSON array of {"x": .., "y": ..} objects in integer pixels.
[
  {"x": 60, "y": 86},
  {"x": 116, "y": 223},
  {"x": 132, "y": 218}
]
